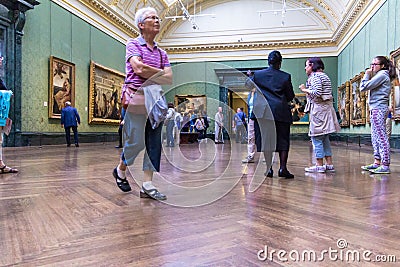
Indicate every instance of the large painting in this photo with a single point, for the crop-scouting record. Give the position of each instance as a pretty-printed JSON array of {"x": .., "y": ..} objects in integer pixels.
[
  {"x": 344, "y": 104},
  {"x": 298, "y": 105},
  {"x": 357, "y": 101},
  {"x": 191, "y": 104},
  {"x": 61, "y": 87},
  {"x": 104, "y": 94},
  {"x": 395, "y": 57}
]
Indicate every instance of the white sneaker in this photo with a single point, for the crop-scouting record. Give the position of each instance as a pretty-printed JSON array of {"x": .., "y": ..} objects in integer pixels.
[{"x": 315, "y": 168}]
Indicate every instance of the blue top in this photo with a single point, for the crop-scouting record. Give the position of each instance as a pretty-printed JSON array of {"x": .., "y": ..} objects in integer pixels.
[
  {"x": 5, "y": 98},
  {"x": 250, "y": 102},
  {"x": 70, "y": 117},
  {"x": 240, "y": 118},
  {"x": 379, "y": 86}
]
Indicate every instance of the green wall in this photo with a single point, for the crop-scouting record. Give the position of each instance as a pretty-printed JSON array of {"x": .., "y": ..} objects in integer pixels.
[
  {"x": 51, "y": 30},
  {"x": 379, "y": 36}
]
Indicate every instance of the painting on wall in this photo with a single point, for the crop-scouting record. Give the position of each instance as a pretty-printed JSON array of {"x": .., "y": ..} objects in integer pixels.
[
  {"x": 344, "y": 104},
  {"x": 61, "y": 86},
  {"x": 189, "y": 104},
  {"x": 357, "y": 101},
  {"x": 298, "y": 105},
  {"x": 395, "y": 57},
  {"x": 104, "y": 94}
]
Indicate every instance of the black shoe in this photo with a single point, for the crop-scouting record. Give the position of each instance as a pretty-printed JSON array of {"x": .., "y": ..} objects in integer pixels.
[
  {"x": 270, "y": 173},
  {"x": 285, "y": 173},
  {"x": 123, "y": 184},
  {"x": 68, "y": 145},
  {"x": 118, "y": 146},
  {"x": 77, "y": 145},
  {"x": 154, "y": 194}
]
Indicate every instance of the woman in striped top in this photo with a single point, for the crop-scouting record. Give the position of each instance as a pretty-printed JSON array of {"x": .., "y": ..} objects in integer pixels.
[{"x": 323, "y": 120}]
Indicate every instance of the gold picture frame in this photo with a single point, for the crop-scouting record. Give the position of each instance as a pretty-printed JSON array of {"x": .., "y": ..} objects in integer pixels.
[
  {"x": 344, "y": 104},
  {"x": 395, "y": 58},
  {"x": 357, "y": 101},
  {"x": 61, "y": 85},
  {"x": 297, "y": 106},
  {"x": 105, "y": 94}
]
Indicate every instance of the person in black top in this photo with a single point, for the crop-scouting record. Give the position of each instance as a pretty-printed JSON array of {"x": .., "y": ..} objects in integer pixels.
[{"x": 273, "y": 111}]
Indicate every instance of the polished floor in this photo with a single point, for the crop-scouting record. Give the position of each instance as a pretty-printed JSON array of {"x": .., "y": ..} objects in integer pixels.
[{"x": 63, "y": 208}]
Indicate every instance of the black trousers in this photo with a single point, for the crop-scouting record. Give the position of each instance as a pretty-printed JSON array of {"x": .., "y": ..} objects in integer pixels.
[{"x": 68, "y": 134}]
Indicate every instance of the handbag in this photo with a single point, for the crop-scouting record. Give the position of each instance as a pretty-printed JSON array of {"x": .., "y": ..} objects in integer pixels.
[{"x": 132, "y": 99}]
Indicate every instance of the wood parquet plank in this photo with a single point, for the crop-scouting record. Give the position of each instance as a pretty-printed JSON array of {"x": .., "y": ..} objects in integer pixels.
[{"x": 64, "y": 209}]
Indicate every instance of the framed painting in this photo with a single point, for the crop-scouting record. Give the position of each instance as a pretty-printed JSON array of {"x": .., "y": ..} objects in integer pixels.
[
  {"x": 357, "y": 102},
  {"x": 298, "y": 105},
  {"x": 61, "y": 87},
  {"x": 344, "y": 104},
  {"x": 189, "y": 104},
  {"x": 395, "y": 58},
  {"x": 105, "y": 94}
]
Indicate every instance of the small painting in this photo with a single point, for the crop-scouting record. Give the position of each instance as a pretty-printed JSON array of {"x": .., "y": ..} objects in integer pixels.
[
  {"x": 395, "y": 57},
  {"x": 344, "y": 104},
  {"x": 357, "y": 101},
  {"x": 297, "y": 106},
  {"x": 61, "y": 87}
]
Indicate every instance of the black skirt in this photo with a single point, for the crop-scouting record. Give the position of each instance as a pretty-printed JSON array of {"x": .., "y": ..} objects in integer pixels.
[{"x": 272, "y": 135}]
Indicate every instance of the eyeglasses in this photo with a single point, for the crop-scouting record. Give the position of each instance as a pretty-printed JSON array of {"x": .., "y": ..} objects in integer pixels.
[
  {"x": 153, "y": 18},
  {"x": 375, "y": 64}
]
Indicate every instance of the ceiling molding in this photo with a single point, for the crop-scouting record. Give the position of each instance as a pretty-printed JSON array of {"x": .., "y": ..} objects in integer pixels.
[
  {"x": 101, "y": 16},
  {"x": 336, "y": 23},
  {"x": 247, "y": 46}
]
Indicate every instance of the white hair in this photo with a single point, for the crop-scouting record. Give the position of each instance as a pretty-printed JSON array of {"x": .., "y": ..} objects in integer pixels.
[{"x": 140, "y": 15}]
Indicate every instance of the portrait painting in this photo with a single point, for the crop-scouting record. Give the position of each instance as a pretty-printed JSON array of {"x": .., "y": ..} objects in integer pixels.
[
  {"x": 105, "y": 94},
  {"x": 395, "y": 58},
  {"x": 344, "y": 104},
  {"x": 61, "y": 87},
  {"x": 357, "y": 102},
  {"x": 191, "y": 104},
  {"x": 297, "y": 107}
]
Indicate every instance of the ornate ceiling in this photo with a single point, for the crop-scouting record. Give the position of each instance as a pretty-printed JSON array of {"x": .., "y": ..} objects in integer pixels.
[{"x": 238, "y": 30}]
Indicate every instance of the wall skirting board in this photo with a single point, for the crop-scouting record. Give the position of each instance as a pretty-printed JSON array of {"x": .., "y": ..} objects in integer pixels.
[
  {"x": 40, "y": 139},
  {"x": 353, "y": 139}
]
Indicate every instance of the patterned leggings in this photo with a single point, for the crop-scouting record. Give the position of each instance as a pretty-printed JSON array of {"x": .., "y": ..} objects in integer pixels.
[{"x": 379, "y": 138}]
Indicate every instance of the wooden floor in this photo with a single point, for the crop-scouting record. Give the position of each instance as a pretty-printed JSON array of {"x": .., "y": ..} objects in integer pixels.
[{"x": 64, "y": 209}]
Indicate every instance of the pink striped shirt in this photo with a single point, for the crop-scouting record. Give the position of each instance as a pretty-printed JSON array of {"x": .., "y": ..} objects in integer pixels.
[{"x": 151, "y": 57}]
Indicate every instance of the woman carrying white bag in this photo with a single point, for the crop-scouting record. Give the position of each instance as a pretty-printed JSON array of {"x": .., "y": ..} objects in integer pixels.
[{"x": 145, "y": 61}]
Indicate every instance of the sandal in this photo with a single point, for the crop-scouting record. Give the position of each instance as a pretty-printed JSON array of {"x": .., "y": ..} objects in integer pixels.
[
  {"x": 6, "y": 169},
  {"x": 123, "y": 184},
  {"x": 154, "y": 194}
]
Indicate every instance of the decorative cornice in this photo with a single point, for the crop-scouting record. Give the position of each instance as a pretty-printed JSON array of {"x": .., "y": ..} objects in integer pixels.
[
  {"x": 322, "y": 4},
  {"x": 108, "y": 14},
  {"x": 344, "y": 26},
  {"x": 247, "y": 46},
  {"x": 323, "y": 10}
]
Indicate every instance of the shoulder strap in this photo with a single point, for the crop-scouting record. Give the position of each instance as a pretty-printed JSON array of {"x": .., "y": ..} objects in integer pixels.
[{"x": 161, "y": 58}]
